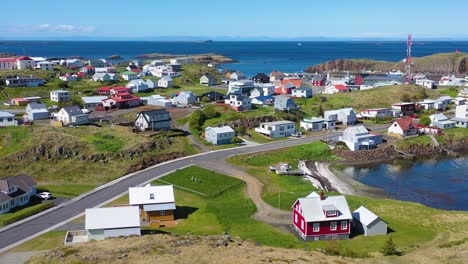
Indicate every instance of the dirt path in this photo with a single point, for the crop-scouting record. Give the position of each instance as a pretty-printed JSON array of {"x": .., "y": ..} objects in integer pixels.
[
  {"x": 200, "y": 146},
  {"x": 265, "y": 212}
]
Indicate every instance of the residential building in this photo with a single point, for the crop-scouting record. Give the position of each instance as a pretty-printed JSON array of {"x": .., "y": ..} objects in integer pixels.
[
  {"x": 320, "y": 217},
  {"x": 158, "y": 119},
  {"x": 285, "y": 89},
  {"x": 451, "y": 80},
  {"x": 45, "y": 65},
  {"x": 212, "y": 96},
  {"x": 242, "y": 87},
  {"x": 263, "y": 100},
  {"x": 7, "y": 119},
  {"x": 105, "y": 70},
  {"x": 295, "y": 81},
  {"x": 276, "y": 129},
  {"x": 137, "y": 86},
  {"x": 319, "y": 80},
  {"x": 261, "y": 78},
  {"x": 184, "y": 98},
  {"x": 23, "y": 101},
  {"x": 25, "y": 62},
  {"x": 359, "y": 138},
  {"x": 403, "y": 127},
  {"x": 317, "y": 124},
  {"x": 175, "y": 67},
  {"x": 405, "y": 108},
  {"x": 158, "y": 100},
  {"x": 219, "y": 135},
  {"x": 16, "y": 191},
  {"x": 121, "y": 101},
  {"x": 441, "y": 121},
  {"x": 376, "y": 113},
  {"x": 69, "y": 77},
  {"x": 303, "y": 92},
  {"x": 256, "y": 92},
  {"x": 238, "y": 102},
  {"x": 459, "y": 101},
  {"x": 346, "y": 116},
  {"x": 72, "y": 115},
  {"x": 367, "y": 223},
  {"x": 90, "y": 70},
  {"x": 429, "y": 84},
  {"x": 165, "y": 82},
  {"x": 90, "y": 102},
  {"x": 207, "y": 80},
  {"x": 24, "y": 82},
  {"x": 337, "y": 88},
  {"x": 267, "y": 88},
  {"x": 182, "y": 60},
  {"x": 104, "y": 77},
  {"x": 99, "y": 63},
  {"x": 129, "y": 75},
  {"x": 285, "y": 103},
  {"x": 156, "y": 203},
  {"x": 238, "y": 76},
  {"x": 101, "y": 223},
  {"x": 74, "y": 63},
  {"x": 59, "y": 96},
  {"x": 152, "y": 84},
  {"x": 276, "y": 76},
  {"x": 463, "y": 93},
  {"x": 461, "y": 116},
  {"x": 8, "y": 64},
  {"x": 36, "y": 111}
]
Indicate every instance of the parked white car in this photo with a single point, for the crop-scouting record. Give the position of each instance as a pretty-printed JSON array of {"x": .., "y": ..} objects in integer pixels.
[{"x": 44, "y": 195}]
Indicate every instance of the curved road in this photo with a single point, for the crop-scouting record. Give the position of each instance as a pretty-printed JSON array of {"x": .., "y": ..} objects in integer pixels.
[{"x": 39, "y": 224}]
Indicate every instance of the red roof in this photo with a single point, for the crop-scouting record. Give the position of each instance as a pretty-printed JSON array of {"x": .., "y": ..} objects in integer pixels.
[
  {"x": 406, "y": 123},
  {"x": 80, "y": 74},
  {"x": 136, "y": 70},
  {"x": 124, "y": 97},
  {"x": 341, "y": 87},
  {"x": 7, "y": 60},
  {"x": 24, "y": 58},
  {"x": 90, "y": 67},
  {"x": 104, "y": 89},
  {"x": 295, "y": 82}
]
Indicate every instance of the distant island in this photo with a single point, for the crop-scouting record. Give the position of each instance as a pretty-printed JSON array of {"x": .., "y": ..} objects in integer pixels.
[{"x": 199, "y": 58}]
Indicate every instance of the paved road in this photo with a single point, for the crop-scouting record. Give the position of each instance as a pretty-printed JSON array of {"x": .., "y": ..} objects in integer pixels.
[{"x": 32, "y": 228}]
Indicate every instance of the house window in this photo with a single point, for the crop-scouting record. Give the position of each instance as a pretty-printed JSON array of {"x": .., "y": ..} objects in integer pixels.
[
  {"x": 162, "y": 212},
  {"x": 302, "y": 224},
  {"x": 344, "y": 225},
  {"x": 332, "y": 226},
  {"x": 295, "y": 218},
  {"x": 331, "y": 213},
  {"x": 316, "y": 227},
  {"x": 152, "y": 196}
]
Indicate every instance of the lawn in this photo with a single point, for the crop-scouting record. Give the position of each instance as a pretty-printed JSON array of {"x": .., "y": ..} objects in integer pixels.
[
  {"x": 66, "y": 190},
  {"x": 45, "y": 241},
  {"x": 407, "y": 143},
  {"x": 450, "y": 91},
  {"x": 207, "y": 182},
  {"x": 13, "y": 138}
]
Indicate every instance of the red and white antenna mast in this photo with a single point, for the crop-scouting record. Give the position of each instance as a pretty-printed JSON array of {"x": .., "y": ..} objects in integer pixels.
[{"x": 408, "y": 61}]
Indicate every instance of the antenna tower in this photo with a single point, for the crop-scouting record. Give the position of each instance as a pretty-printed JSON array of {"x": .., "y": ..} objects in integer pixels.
[{"x": 408, "y": 61}]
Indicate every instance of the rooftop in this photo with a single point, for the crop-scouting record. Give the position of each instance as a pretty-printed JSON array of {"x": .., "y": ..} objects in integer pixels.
[{"x": 112, "y": 217}]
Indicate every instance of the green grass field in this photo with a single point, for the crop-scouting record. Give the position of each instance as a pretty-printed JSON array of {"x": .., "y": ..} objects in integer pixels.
[{"x": 66, "y": 190}]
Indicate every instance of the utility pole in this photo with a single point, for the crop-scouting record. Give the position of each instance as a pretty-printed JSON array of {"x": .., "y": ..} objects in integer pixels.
[{"x": 408, "y": 61}]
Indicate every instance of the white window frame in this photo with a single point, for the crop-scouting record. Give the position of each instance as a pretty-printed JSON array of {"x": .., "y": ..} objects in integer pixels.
[
  {"x": 295, "y": 218},
  {"x": 316, "y": 227},
  {"x": 162, "y": 213},
  {"x": 344, "y": 225},
  {"x": 302, "y": 224},
  {"x": 333, "y": 226}
]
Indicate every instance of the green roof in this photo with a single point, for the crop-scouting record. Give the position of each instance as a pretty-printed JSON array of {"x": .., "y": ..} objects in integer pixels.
[{"x": 127, "y": 73}]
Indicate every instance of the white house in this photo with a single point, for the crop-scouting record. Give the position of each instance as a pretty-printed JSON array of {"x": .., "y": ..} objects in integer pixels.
[
  {"x": 459, "y": 101},
  {"x": 16, "y": 191},
  {"x": 25, "y": 62},
  {"x": 8, "y": 64},
  {"x": 101, "y": 223},
  {"x": 74, "y": 63},
  {"x": 36, "y": 111},
  {"x": 71, "y": 115},
  {"x": 184, "y": 98},
  {"x": 156, "y": 203},
  {"x": 137, "y": 86},
  {"x": 207, "y": 80},
  {"x": 104, "y": 77},
  {"x": 241, "y": 86},
  {"x": 317, "y": 124},
  {"x": 219, "y": 135},
  {"x": 238, "y": 76},
  {"x": 158, "y": 119},
  {"x": 24, "y": 82},
  {"x": 152, "y": 84},
  {"x": 376, "y": 113},
  {"x": 128, "y": 75},
  {"x": 276, "y": 129},
  {"x": 347, "y": 116},
  {"x": 45, "y": 65},
  {"x": 7, "y": 119},
  {"x": 60, "y": 96},
  {"x": 165, "y": 82},
  {"x": 158, "y": 100},
  {"x": 239, "y": 102},
  {"x": 337, "y": 88},
  {"x": 441, "y": 121},
  {"x": 90, "y": 102},
  {"x": 461, "y": 116},
  {"x": 358, "y": 138},
  {"x": 429, "y": 84},
  {"x": 69, "y": 77},
  {"x": 403, "y": 127},
  {"x": 267, "y": 88},
  {"x": 263, "y": 100},
  {"x": 368, "y": 223},
  {"x": 303, "y": 92}
]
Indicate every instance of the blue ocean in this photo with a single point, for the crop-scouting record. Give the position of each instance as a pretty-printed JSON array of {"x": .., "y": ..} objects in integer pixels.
[{"x": 253, "y": 57}]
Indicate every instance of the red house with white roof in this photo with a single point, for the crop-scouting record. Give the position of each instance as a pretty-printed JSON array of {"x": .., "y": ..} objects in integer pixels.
[{"x": 320, "y": 217}]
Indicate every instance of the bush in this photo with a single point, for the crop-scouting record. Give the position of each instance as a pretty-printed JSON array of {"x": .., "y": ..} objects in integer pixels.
[
  {"x": 196, "y": 120},
  {"x": 390, "y": 248},
  {"x": 210, "y": 112},
  {"x": 425, "y": 120},
  {"x": 24, "y": 213}
]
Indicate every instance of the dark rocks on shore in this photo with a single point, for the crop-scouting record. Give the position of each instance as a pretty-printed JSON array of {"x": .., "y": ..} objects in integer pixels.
[{"x": 114, "y": 57}]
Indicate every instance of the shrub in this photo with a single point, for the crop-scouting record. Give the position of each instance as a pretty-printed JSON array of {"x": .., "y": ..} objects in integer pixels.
[
  {"x": 390, "y": 248},
  {"x": 24, "y": 213},
  {"x": 425, "y": 120}
]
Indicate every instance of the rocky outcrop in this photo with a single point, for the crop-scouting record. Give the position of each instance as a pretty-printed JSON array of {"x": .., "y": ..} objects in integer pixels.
[
  {"x": 383, "y": 152},
  {"x": 153, "y": 160},
  {"x": 251, "y": 122}
]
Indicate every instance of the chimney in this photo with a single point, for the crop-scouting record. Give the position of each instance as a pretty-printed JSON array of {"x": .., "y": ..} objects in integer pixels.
[{"x": 322, "y": 195}]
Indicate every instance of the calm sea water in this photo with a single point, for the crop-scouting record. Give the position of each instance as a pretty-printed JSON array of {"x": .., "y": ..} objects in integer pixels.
[
  {"x": 435, "y": 183},
  {"x": 254, "y": 57}
]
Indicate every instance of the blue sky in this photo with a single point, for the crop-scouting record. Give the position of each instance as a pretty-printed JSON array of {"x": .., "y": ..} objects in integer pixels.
[{"x": 241, "y": 19}]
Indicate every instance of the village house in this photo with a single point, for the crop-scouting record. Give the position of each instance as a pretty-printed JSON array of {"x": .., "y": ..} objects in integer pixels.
[
  {"x": 36, "y": 111},
  {"x": 8, "y": 64},
  {"x": 267, "y": 88},
  {"x": 69, "y": 77},
  {"x": 261, "y": 78},
  {"x": 7, "y": 119},
  {"x": 182, "y": 60},
  {"x": 303, "y": 92},
  {"x": 156, "y": 203},
  {"x": 319, "y": 80},
  {"x": 276, "y": 129},
  {"x": 74, "y": 63},
  {"x": 25, "y": 62},
  {"x": 320, "y": 217},
  {"x": 158, "y": 119},
  {"x": 346, "y": 116},
  {"x": 285, "y": 89},
  {"x": 45, "y": 65},
  {"x": 131, "y": 67},
  {"x": 337, "y": 88},
  {"x": 16, "y": 191},
  {"x": 207, "y": 80},
  {"x": 184, "y": 98},
  {"x": 24, "y": 82},
  {"x": 294, "y": 80},
  {"x": 358, "y": 138},
  {"x": 101, "y": 223},
  {"x": 429, "y": 84},
  {"x": 441, "y": 121},
  {"x": 129, "y": 75},
  {"x": 174, "y": 67},
  {"x": 256, "y": 92},
  {"x": 238, "y": 102},
  {"x": 23, "y": 101},
  {"x": 97, "y": 63},
  {"x": 121, "y": 101},
  {"x": 376, "y": 113},
  {"x": 137, "y": 86},
  {"x": 463, "y": 93},
  {"x": 105, "y": 70},
  {"x": 89, "y": 70},
  {"x": 165, "y": 82},
  {"x": 428, "y": 104},
  {"x": 461, "y": 116},
  {"x": 72, "y": 115},
  {"x": 405, "y": 108},
  {"x": 263, "y": 100},
  {"x": 104, "y": 77},
  {"x": 367, "y": 223},
  {"x": 285, "y": 103},
  {"x": 59, "y": 96},
  {"x": 212, "y": 96},
  {"x": 91, "y": 102},
  {"x": 317, "y": 124},
  {"x": 241, "y": 87},
  {"x": 403, "y": 127},
  {"x": 219, "y": 135},
  {"x": 276, "y": 76},
  {"x": 238, "y": 76},
  {"x": 158, "y": 100},
  {"x": 459, "y": 101}
]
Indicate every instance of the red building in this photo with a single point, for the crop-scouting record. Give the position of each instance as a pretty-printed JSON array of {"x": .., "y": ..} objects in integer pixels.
[
  {"x": 320, "y": 217},
  {"x": 121, "y": 101},
  {"x": 319, "y": 80},
  {"x": 285, "y": 89}
]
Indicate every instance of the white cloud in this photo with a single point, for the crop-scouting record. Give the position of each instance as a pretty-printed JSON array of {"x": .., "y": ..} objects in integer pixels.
[{"x": 61, "y": 29}]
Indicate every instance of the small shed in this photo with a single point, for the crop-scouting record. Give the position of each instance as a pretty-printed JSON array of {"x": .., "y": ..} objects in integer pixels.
[
  {"x": 101, "y": 223},
  {"x": 368, "y": 223}
]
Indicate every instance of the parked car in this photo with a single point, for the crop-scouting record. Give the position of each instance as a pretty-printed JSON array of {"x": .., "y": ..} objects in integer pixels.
[
  {"x": 297, "y": 134},
  {"x": 44, "y": 195}
]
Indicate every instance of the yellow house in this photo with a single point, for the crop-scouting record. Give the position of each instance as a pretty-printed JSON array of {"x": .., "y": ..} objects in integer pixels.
[{"x": 156, "y": 203}]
